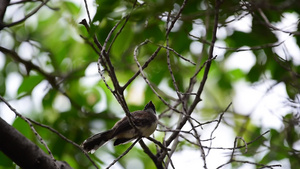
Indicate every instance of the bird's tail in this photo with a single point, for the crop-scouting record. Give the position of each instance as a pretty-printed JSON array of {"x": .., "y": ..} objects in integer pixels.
[{"x": 94, "y": 142}]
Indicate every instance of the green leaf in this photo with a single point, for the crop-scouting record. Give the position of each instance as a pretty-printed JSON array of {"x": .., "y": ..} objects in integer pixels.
[
  {"x": 224, "y": 81},
  {"x": 104, "y": 8},
  {"x": 29, "y": 83},
  {"x": 71, "y": 7},
  {"x": 236, "y": 74},
  {"x": 5, "y": 162},
  {"x": 23, "y": 127},
  {"x": 261, "y": 34},
  {"x": 255, "y": 73},
  {"x": 2, "y": 84},
  {"x": 291, "y": 91}
]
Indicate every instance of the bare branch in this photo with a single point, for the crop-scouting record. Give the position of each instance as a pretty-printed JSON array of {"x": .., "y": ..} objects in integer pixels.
[
  {"x": 240, "y": 49},
  {"x": 197, "y": 137},
  {"x": 179, "y": 55},
  {"x": 145, "y": 78},
  {"x": 176, "y": 17},
  {"x": 239, "y": 147},
  {"x": 217, "y": 125},
  {"x": 88, "y": 11},
  {"x": 143, "y": 67},
  {"x": 200, "y": 89},
  {"x": 151, "y": 155},
  {"x": 64, "y": 138},
  {"x": 158, "y": 143},
  {"x": 123, "y": 154},
  {"x": 272, "y": 26},
  {"x": 26, "y": 17}
]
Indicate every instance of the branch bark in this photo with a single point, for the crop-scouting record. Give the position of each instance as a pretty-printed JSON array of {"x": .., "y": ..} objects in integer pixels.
[
  {"x": 3, "y": 6},
  {"x": 23, "y": 152}
]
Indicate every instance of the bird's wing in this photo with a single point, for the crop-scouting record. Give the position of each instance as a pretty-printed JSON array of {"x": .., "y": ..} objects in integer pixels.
[{"x": 138, "y": 118}]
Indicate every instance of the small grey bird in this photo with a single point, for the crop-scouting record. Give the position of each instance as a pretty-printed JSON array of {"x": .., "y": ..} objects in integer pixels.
[{"x": 144, "y": 120}]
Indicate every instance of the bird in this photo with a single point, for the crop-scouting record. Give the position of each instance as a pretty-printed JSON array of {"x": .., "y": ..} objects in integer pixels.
[{"x": 123, "y": 132}]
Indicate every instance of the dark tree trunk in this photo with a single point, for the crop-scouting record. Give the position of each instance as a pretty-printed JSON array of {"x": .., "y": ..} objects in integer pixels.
[{"x": 23, "y": 152}]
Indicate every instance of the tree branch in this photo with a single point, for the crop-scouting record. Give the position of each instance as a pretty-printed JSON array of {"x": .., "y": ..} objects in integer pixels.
[
  {"x": 26, "y": 17},
  {"x": 23, "y": 152}
]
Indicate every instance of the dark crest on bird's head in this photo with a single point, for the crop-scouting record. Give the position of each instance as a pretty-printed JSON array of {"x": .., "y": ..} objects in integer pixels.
[{"x": 151, "y": 106}]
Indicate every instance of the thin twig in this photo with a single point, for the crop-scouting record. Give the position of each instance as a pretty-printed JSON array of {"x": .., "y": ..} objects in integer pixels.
[
  {"x": 143, "y": 67},
  {"x": 144, "y": 76},
  {"x": 217, "y": 125},
  {"x": 121, "y": 29},
  {"x": 179, "y": 55},
  {"x": 150, "y": 154},
  {"x": 123, "y": 154},
  {"x": 240, "y": 49},
  {"x": 197, "y": 98},
  {"x": 27, "y": 16},
  {"x": 158, "y": 143},
  {"x": 64, "y": 138},
  {"x": 253, "y": 163},
  {"x": 176, "y": 17},
  {"x": 238, "y": 147},
  {"x": 87, "y": 11},
  {"x": 149, "y": 84},
  {"x": 197, "y": 137},
  {"x": 272, "y": 26}
]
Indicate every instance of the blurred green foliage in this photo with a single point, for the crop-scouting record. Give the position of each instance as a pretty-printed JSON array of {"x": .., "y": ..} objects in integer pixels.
[{"x": 58, "y": 49}]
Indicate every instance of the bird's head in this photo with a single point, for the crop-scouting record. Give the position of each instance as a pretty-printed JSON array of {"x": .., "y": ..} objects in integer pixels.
[{"x": 150, "y": 107}]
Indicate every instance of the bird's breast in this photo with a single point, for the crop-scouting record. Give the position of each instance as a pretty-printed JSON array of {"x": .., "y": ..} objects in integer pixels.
[{"x": 148, "y": 130}]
